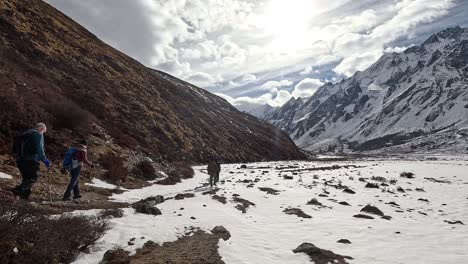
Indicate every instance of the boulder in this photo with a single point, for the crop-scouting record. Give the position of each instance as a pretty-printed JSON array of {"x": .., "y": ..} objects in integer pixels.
[
  {"x": 221, "y": 232},
  {"x": 116, "y": 256},
  {"x": 321, "y": 256},
  {"x": 372, "y": 210}
]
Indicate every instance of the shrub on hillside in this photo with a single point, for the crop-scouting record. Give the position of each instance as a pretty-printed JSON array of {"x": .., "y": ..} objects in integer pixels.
[
  {"x": 29, "y": 236},
  {"x": 145, "y": 168},
  {"x": 183, "y": 169},
  {"x": 116, "y": 171},
  {"x": 180, "y": 170},
  {"x": 70, "y": 116}
]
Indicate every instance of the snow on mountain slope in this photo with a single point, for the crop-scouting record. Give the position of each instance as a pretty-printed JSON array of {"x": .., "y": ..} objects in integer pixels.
[
  {"x": 420, "y": 92},
  {"x": 256, "y": 110}
]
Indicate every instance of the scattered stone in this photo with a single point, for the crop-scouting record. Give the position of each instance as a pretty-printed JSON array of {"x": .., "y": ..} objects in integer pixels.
[
  {"x": 268, "y": 190},
  {"x": 379, "y": 178},
  {"x": 423, "y": 200},
  {"x": 116, "y": 256},
  {"x": 151, "y": 201},
  {"x": 454, "y": 222},
  {"x": 296, "y": 211},
  {"x": 398, "y": 232},
  {"x": 422, "y": 213},
  {"x": 372, "y": 185},
  {"x": 347, "y": 190},
  {"x": 363, "y": 216},
  {"x": 220, "y": 199},
  {"x": 243, "y": 166},
  {"x": 193, "y": 218},
  {"x": 314, "y": 202},
  {"x": 408, "y": 175},
  {"x": 221, "y": 232},
  {"x": 323, "y": 195},
  {"x": 130, "y": 243},
  {"x": 243, "y": 204},
  {"x": 344, "y": 241},
  {"x": 145, "y": 209},
  {"x": 321, "y": 256},
  {"x": 393, "y": 203},
  {"x": 372, "y": 210},
  {"x": 287, "y": 177},
  {"x": 438, "y": 181},
  {"x": 386, "y": 217},
  {"x": 245, "y": 181},
  {"x": 393, "y": 181},
  {"x": 147, "y": 206},
  {"x": 420, "y": 190},
  {"x": 344, "y": 203},
  {"x": 182, "y": 196},
  {"x": 400, "y": 189}
]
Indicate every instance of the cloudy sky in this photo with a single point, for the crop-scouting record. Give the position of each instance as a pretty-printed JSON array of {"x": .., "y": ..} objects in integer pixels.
[{"x": 263, "y": 51}]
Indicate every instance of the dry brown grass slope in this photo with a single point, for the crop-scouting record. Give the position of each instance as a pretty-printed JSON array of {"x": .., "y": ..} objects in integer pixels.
[{"x": 50, "y": 65}]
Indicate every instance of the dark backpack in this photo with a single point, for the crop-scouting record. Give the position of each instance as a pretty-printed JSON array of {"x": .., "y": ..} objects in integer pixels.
[
  {"x": 20, "y": 144},
  {"x": 67, "y": 163}
]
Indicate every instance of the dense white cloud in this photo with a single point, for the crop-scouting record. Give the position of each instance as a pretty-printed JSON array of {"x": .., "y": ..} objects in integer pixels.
[
  {"x": 306, "y": 88},
  {"x": 270, "y": 85},
  {"x": 227, "y": 45}
]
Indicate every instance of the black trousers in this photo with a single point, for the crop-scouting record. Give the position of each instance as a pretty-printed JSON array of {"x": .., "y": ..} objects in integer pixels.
[{"x": 29, "y": 170}]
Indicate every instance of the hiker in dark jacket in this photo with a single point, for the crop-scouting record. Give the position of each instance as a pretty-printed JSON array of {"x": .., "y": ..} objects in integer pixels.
[
  {"x": 214, "y": 168},
  {"x": 29, "y": 155},
  {"x": 80, "y": 156}
]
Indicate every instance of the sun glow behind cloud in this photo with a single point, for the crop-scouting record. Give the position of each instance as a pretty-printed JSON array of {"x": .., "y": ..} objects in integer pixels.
[{"x": 288, "y": 23}]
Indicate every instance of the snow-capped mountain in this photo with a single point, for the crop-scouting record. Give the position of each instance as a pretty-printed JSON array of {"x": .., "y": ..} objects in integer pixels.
[
  {"x": 257, "y": 110},
  {"x": 417, "y": 100}
]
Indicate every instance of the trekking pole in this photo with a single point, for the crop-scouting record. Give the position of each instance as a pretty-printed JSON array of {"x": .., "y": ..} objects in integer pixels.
[{"x": 48, "y": 183}]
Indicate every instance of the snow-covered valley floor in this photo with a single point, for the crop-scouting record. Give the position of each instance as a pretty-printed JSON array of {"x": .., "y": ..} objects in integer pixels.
[{"x": 417, "y": 232}]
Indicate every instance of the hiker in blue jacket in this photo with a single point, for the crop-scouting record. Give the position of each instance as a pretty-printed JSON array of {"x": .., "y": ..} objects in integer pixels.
[
  {"x": 28, "y": 150},
  {"x": 74, "y": 160}
]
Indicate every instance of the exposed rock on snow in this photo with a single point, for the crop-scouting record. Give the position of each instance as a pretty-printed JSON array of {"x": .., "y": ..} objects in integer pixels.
[
  {"x": 347, "y": 190},
  {"x": 242, "y": 204},
  {"x": 321, "y": 256},
  {"x": 344, "y": 241},
  {"x": 363, "y": 216},
  {"x": 372, "y": 210},
  {"x": 182, "y": 196},
  {"x": 221, "y": 232},
  {"x": 296, "y": 211},
  {"x": 269, "y": 190},
  {"x": 372, "y": 185},
  {"x": 147, "y": 206},
  {"x": 220, "y": 199},
  {"x": 408, "y": 175},
  {"x": 314, "y": 201},
  {"x": 454, "y": 222}
]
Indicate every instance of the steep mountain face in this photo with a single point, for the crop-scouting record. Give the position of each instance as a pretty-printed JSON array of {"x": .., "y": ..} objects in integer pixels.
[
  {"x": 415, "y": 100},
  {"x": 54, "y": 70},
  {"x": 256, "y": 110}
]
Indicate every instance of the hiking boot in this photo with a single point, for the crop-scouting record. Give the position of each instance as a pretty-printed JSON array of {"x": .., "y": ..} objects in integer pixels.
[
  {"x": 76, "y": 197},
  {"x": 66, "y": 199}
]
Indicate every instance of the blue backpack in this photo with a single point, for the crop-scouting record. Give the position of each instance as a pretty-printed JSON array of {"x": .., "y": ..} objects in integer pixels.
[{"x": 69, "y": 157}]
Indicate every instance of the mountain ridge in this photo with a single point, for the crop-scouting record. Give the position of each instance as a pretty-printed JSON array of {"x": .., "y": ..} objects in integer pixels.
[{"x": 401, "y": 97}]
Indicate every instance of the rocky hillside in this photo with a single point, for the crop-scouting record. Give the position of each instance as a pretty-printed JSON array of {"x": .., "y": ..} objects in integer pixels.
[
  {"x": 412, "y": 101},
  {"x": 54, "y": 70}
]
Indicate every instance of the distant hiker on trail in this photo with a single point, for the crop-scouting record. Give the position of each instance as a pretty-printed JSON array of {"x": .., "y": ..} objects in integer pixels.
[
  {"x": 214, "y": 168},
  {"x": 28, "y": 150},
  {"x": 72, "y": 163}
]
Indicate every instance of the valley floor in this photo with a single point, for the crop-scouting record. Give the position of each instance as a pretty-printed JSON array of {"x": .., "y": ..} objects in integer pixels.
[{"x": 428, "y": 213}]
